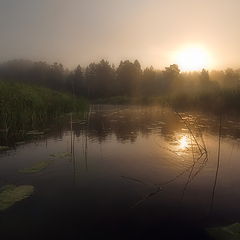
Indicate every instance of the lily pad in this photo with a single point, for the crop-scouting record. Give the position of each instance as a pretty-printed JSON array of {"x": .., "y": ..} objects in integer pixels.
[
  {"x": 61, "y": 155},
  {"x": 7, "y": 187},
  {"x": 37, "y": 167},
  {"x": 35, "y": 132},
  {"x": 230, "y": 232},
  {"x": 20, "y": 143},
  {"x": 11, "y": 194},
  {"x": 4, "y": 148}
]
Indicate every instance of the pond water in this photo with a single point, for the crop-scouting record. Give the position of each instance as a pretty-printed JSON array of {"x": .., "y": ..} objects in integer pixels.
[{"x": 126, "y": 172}]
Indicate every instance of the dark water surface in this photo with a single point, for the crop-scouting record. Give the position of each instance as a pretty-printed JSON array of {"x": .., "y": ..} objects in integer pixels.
[{"x": 134, "y": 173}]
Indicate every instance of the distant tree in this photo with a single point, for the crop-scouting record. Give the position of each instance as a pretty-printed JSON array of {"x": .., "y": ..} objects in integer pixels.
[
  {"x": 171, "y": 77},
  {"x": 56, "y": 76},
  {"x": 100, "y": 79},
  {"x": 106, "y": 79},
  {"x": 16, "y": 70},
  {"x": 75, "y": 82},
  {"x": 204, "y": 75},
  {"x": 172, "y": 71},
  {"x": 129, "y": 77},
  {"x": 204, "y": 79},
  {"x": 149, "y": 84},
  {"x": 40, "y": 74},
  {"x": 190, "y": 81},
  {"x": 231, "y": 79},
  {"x": 91, "y": 79},
  {"x": 218, "y": 77}
]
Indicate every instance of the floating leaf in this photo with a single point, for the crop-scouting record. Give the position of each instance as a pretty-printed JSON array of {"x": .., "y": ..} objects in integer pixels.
[
  {"x": 35, "y": 132},
  {"x": 37, "y": 167},
  {"x": 66, "y": 154},
  {"x": 230, "y": 232},
  {"x": 11, "y": 194},
  {"x": 4, "y": 148},
  {"x": 53, "y": 155},
  {"x": 61, "y": 155},
  {"x": 47, "y": 129},
  {"x": 7, "y": 187},
  {"x": 20, "y": 143}
]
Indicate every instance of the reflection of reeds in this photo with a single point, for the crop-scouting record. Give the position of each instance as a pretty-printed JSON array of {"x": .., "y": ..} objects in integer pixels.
[
  {"x": 86, "y": 151},
  {"x": 218, "y": 164},
  {"x": 88, "y": 115},
  {"x": 72, "y": 145},
  {"x": 191, "y": 132},
  {"x": 84, "y": 134},
  {"x": 71, "y": 129},
  {"x": 199, "y": 157}
]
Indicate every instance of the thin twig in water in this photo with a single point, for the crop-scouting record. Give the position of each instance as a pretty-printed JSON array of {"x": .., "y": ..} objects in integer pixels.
[
  {"x": 158, "y": 189},
  {"x": 218, "y": 164},
  {"x": 133, "y": 179},
  {"x": 190, "y": 130}
]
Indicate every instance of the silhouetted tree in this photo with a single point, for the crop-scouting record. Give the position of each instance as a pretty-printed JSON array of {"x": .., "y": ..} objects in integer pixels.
[
  {"x": 91, "y": 79},
  {"x": 101, "y": 80},
  {"x": 56, "y": 76},
  {"x": 105, "y": 79},
  {"x": 149, "y": 84},
  {"x": 171, "y": 78},
  {"x": 75, "y": 82},
  {"x": 231, "y": 78},
  {"x": 204, "y": 79},
  {"x": 40, "y": 74},
  {"x": 129, "y": 77}
]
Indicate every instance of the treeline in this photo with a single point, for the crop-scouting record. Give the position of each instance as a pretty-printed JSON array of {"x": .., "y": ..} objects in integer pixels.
[{"x": 104, "y": 80}]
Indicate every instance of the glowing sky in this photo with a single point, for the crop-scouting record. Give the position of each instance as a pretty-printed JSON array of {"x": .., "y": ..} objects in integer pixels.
[{"x": 81, "y": 31}]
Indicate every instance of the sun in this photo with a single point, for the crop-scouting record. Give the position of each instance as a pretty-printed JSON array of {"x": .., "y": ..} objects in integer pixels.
[{"x": 192, "y": 58}]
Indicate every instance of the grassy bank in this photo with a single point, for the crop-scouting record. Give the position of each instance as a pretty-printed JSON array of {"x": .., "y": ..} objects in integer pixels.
[
  {"x": 207, "y": 101},
  {"x": 24, "y": 107}
]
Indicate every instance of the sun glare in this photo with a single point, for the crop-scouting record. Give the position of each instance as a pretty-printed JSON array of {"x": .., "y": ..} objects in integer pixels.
[{"x": 192, "y": 59}]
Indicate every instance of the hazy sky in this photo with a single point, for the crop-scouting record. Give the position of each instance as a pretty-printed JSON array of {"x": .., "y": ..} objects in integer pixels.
[{"x": 80, "y": 31}]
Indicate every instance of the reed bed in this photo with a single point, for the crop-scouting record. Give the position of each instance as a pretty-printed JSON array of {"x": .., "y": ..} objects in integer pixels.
[{"x": 25, "y": 107}]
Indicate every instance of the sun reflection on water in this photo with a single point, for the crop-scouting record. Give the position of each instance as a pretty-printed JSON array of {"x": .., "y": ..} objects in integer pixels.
[{"x": 183, "y": 143}]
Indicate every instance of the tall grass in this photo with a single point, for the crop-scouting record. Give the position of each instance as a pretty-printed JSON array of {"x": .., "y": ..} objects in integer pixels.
[{"x": 24, "y": 107}]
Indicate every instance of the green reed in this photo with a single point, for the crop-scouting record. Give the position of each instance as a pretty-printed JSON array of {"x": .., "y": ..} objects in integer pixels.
[{"x": 25, "y": 107}]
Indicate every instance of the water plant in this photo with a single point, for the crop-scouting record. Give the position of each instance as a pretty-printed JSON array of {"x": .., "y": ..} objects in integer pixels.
[
  {"x": 25, "y": 108},
  {"x": 61, "y": 155},
  {"x": 37, "y": 167},
  {"x": 4, "y": 148},
  {"x": 11, "y": 194},
  {"x": 230, "y": 232}
]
